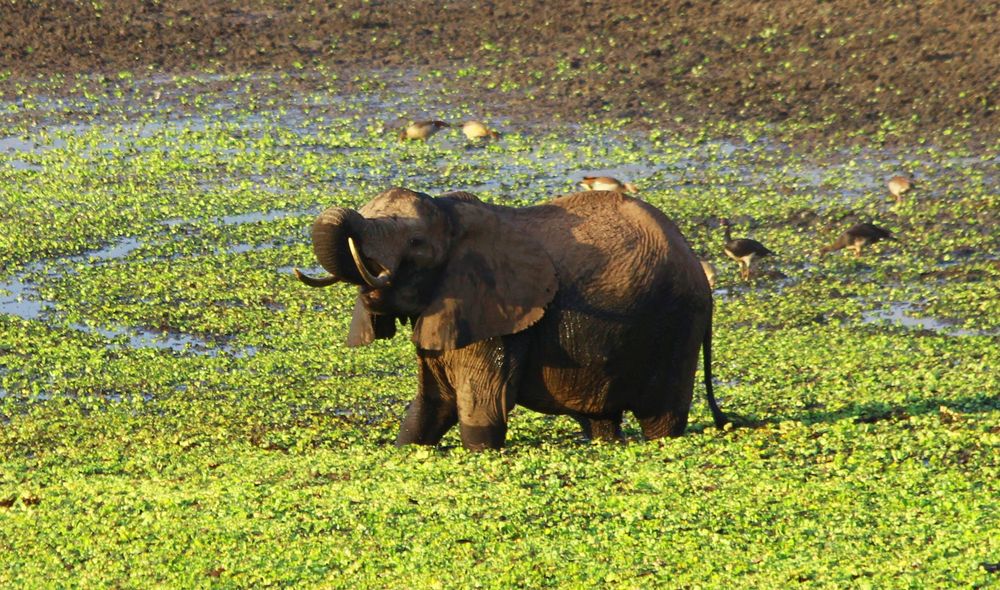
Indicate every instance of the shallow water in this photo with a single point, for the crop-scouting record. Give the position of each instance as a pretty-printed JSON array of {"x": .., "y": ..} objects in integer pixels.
[
  {"x": 257, "y": 216},
  {"x": 551, "y": 164},
  {"x": 905, "y": 315},
  {"x": 142, "y": 338},
  {"x": 19, "y": 295}
]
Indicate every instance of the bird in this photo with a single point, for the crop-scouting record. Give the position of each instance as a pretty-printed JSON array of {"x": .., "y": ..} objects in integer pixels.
[
  {"x": 474, "y": 130},
  {"x": 606, "y": 183},
  {"x": 709, "y": 269},
  {"x": 898, "y": 185},
  {"x": 421, "y": 130},
  {"x": 857, "y": 237},
  {"x": 743, "y": 250}
]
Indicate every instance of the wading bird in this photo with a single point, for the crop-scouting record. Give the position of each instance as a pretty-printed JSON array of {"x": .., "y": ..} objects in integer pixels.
[
  {"x": 421, "y": 130},
  {"x": 898, "y": 186},
  {"x": 606, "y": 183},
  {"x": 743, "y": 250},
  {"x": 857, "y": 237},
  {"x": 474, "y": 130}
]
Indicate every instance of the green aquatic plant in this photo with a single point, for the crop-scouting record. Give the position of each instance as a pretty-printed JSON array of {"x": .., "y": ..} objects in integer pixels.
[{"x": 176, "y": 409}]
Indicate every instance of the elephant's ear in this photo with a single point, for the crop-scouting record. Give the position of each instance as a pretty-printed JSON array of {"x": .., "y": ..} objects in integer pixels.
[
  {"x": 366, "y": 326},
  {"x": 498, "y": 281}
]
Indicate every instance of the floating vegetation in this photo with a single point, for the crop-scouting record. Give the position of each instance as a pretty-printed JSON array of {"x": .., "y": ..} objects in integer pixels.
[{"x": 176, "y": 409}]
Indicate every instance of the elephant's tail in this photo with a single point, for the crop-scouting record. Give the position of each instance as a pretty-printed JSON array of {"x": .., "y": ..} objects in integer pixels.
[{"x": 706, "y": 347}]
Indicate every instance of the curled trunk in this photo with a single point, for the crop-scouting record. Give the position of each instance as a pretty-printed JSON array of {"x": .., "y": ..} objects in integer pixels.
[{"x": 330, "y": 233}]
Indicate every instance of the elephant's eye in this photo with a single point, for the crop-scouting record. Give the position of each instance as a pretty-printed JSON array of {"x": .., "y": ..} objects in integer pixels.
[{"x": 416, "y": 242}]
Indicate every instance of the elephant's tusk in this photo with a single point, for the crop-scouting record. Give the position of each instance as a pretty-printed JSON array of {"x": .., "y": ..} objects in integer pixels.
[
  {"x": 321, "y": 282},
  {"x": 379, "y": 282}
]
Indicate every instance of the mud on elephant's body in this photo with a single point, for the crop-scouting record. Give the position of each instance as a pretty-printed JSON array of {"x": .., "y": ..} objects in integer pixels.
[{"x": 589, "y": 305}]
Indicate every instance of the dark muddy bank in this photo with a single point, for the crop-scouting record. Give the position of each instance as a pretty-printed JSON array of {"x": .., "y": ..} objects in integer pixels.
[{"x": 849, "y": 63}]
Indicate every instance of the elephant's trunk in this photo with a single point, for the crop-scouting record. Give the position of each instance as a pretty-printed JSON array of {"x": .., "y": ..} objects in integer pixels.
[
  {"x": 312, "y": 281},
  {"x": 330, "y": 233}
]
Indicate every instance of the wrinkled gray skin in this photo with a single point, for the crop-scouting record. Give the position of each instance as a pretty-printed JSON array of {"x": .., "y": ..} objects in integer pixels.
[{"x": 589, "y": 305}]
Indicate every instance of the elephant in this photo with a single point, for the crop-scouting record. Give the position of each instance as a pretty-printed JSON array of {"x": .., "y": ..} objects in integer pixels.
[{"x": 588, "y": 305}]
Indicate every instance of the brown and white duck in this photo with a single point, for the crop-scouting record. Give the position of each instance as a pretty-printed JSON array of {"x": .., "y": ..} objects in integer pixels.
[
  {"x": 421, "y": 130},
  {"x": 475, "y": 130},
  {"x": 857, "y": 237},
  {"x": 898, "y": 186},
  {"x": 607, "y": 183},
  {"x": 743, "y": 250}
]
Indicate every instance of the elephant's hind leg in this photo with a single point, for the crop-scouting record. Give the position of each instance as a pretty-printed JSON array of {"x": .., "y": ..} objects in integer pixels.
[
  {"x": 609, "y": 429},
  {"x": 665, "y": 424},
  {"x": 663, "y": 408}
]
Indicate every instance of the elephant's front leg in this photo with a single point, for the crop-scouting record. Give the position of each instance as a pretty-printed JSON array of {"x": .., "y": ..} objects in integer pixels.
[
  {"x": 433, "y": 412},
  {"x": 485, "y": 376}
]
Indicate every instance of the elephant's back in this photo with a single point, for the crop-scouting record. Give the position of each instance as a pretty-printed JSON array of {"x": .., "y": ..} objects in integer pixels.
[
  {"x": 631, "y": 297},
  {"x": 614, "y": 251}
]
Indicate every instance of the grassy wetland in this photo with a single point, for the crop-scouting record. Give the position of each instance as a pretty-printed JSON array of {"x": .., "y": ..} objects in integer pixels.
[{"x": 177, "y": 410}]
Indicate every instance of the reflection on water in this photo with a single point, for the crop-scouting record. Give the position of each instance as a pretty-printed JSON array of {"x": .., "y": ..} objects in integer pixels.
[
  {"x": 903, "y": 314},
  {"x": 257, "y": 216},
  {"x": 19, "y": 294},
  {"x": 142, "y": 338},
  {"x": 18, "y": 299}
]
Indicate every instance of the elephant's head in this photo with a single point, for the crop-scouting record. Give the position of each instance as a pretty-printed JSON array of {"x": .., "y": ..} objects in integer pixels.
[{"x": 455, "y": 267}]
